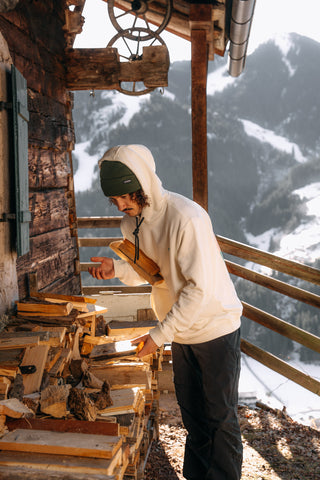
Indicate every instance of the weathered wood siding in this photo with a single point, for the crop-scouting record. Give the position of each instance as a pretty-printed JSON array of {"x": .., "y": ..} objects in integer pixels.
[{"x": 35, "y": 37}]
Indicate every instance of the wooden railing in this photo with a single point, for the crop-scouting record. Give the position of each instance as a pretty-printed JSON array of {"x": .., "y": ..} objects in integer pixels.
[{"x": 261, "y": 317}]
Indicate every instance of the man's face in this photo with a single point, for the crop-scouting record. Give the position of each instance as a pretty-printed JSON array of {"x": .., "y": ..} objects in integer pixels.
[{"x": 126, "y": 204}]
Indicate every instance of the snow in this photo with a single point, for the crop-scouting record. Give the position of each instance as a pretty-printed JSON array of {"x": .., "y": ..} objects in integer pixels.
[
  {"x": 219, "y": 80},
  {"x": 84, "y": 174},
  {"x": 131, "y": 105},
  {"x": 303, "y": 242},
  {"x": 276, "y": 141},
  {"x": 277, "y": 391},
  {"x": 285, "y": 43}
]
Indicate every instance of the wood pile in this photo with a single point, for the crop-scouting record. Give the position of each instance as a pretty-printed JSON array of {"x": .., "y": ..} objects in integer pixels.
[{"x": 75, "y": 400}]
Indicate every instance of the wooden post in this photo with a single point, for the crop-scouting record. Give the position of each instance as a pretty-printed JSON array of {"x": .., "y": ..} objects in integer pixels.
[{"x": 201, "y": 24}]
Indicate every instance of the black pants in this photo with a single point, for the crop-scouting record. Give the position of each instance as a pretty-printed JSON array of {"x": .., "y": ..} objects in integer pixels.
[{"x": 206, "y": 377}]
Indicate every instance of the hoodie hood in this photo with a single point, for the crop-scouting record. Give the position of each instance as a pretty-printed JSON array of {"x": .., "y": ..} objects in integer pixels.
[{"x": 140, "y": 161}]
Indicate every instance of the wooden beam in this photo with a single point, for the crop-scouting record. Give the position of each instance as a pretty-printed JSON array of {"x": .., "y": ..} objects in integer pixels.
[
  {"x": 281, "y": 367},
  {"x": 252, "y": 254},
  {"x": 100, "y": 68},
  {"x": 274, "y": 284},
  {"x": 200, "y": 15},
  {"x": 280, "y": 326}
]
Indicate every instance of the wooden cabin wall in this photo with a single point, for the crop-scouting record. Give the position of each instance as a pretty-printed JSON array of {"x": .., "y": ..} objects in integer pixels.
[{"x": 35, "y": 37}]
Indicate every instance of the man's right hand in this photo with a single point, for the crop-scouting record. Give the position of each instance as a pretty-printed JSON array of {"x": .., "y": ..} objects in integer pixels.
[{"x": 104, "y": 271}]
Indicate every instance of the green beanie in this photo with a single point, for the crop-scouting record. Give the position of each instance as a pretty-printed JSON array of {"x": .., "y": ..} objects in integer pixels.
[{"x": 117, "y": 179}]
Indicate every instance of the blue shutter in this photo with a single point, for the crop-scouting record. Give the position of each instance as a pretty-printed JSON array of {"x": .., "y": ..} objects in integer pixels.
[{"x": 20, "y": 148}]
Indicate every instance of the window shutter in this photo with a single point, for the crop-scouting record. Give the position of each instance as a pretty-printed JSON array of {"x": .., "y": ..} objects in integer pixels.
[{"x": 20, "y": 140}]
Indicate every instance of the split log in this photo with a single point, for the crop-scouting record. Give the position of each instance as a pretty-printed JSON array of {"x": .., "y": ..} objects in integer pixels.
[
  {"x": 78, "y": 368},
  {"x": 65, "y": 298},
  {"x": 54, "y": 400},
  {"x": 17, "y": 388},
  {"x": 91, "y": 381},
  {"x": 15, "y": 409},
  {"x": 145, "y": 266},
  {"x": 81, "y": 405},
  {"x": 44, "y": 309},
  {"x": 103, "y": 398}
]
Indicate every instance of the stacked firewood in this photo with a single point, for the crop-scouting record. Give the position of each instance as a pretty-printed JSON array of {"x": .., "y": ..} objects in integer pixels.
[{"x": 74, "y": 396}]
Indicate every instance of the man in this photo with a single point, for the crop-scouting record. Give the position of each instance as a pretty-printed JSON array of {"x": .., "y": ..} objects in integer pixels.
[{"x": 197, "y": 306}]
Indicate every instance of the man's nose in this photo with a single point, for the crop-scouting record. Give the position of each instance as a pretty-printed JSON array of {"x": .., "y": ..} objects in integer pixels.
[{"x": 121, "y": 204}]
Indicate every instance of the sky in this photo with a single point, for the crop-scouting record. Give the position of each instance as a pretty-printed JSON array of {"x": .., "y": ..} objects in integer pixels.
[{"x": 271, "y": 18}]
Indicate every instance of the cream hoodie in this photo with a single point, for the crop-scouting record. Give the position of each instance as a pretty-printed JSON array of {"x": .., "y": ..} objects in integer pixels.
[{"x": 197, "y": 302}]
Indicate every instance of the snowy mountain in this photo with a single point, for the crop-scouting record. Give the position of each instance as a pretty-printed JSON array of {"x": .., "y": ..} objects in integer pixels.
[{"x": 263, "y": 146}]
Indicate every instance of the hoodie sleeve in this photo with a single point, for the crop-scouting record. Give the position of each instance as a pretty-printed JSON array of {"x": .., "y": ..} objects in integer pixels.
[
  {"x": 127, "y": 274},
  {"x": 205, "y": 281}
]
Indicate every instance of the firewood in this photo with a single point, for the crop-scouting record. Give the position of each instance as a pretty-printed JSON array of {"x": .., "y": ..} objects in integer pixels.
[
  {"x": 130, "y": 329},
  {"x": 54, "y": 400},
  {"x": 81, "y": 405},
  {"x": 36, "y": 356},
  {"x": 122, "y": 348},
  {"x": 44, "y": 441},
  {"x": 15, "y": 343},
  {"x": 103, "y": 398},
  {"x": 17, "y": 388},
  {"x": 44, "y": 309},
  {"x": 15, "y": 409},
  {"x": 65, "y": 298},
  {"x": 78, "y": 367},
  {"x": 91, "y": 381},
  {"x": 145, "y": 266}
]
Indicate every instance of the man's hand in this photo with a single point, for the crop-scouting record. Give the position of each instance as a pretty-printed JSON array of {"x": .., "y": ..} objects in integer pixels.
[
  {"x": 149, "y": 345},
  {"x": 104, "y": 271}
]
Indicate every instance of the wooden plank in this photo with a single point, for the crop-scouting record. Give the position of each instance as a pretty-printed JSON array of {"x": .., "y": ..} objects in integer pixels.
[
  {"x": 56, "y": 334},
  {"x": 61, "y": 463},
  {"x": 21, "y": 334},
  {"x": 123, "y": 373},
  {"x": 34, "y": 356},
  {"x": 22, "y": 342},
  {"x": 93, "y": 68},
  {"x": 44, "y": 309},
  {"x": 28, "y": 473},
  {"x": 61, "y": 443},
  {"x": 99, "y": 222},
  {"x": 130, "y": 329},
  {"x": 93, "y": 310},
  {"x": 125, "y": 400},
  {"x": 66, "y": 298},
  {"x": 113, "y": 350},
  {"x": 69, "y": 425},
  {"x": 100, "y": 68}
]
